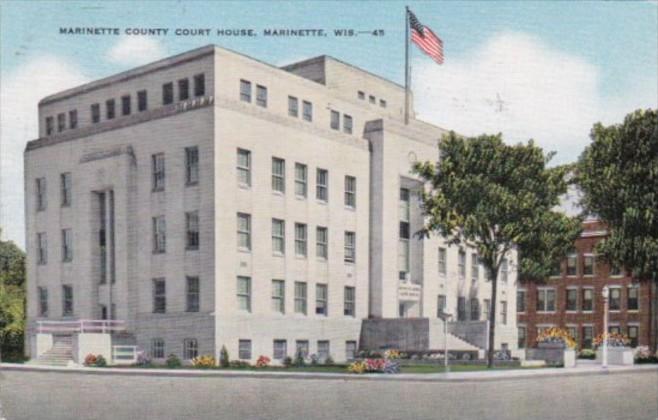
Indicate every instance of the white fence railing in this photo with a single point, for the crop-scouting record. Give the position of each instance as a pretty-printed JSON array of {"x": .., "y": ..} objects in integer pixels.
[
  {"x": 124, "y": 355},
  {"x": 103, "y": 326}
]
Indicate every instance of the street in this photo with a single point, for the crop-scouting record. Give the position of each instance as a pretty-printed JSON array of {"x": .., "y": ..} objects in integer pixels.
[{"x": 29, "y": 395}]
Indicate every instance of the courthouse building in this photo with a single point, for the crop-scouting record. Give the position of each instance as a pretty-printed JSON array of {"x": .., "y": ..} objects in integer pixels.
[{"x": 210, "y": 199}]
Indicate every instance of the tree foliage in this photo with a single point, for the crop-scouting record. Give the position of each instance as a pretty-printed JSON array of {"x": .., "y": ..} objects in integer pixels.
[{"x": 12, "y": 299}]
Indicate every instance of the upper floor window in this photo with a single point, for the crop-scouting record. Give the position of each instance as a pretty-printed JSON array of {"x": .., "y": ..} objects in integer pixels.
[
  {"x": 183, "y": 89},
  {"x": 371, "y": 99},
  {"x": 475, "y": 267},
  {"x": 349, "y": 301},
  {"x": 321, "y": 242},
  {"x": 61, "y": 122},
  {"x": 462, "y": 263},
  {"x": 522, "y": 337},
  {"x": 293, "y": 106},
  {"x": 95, "y": 113},
  {"x": 461, "y": 308},
  {"x": 443, "y": 263},
  {"x": 556, "y": 268},
  {"x": 300, "y": 297},
  {"x": 199, "y": 85},
  {"x": 572, "y": 300},
  {"x": 142, "y": 101},
  {"x": 73, "y": 119},
  {"x": 361, "y": 95},
  {"x": 67, "y": 300},
  {"x": 244, "y": 231},
  {"x": 244, "y": 167},
  {"x": 159, "y": 235},
  {"x": 278, "y": 175},
  {"x": 300, "y": 239},
  {"x": 545, "y": 300},
  {"x": 382, "y": 103},
  {"x": 350, "y": 247},
  {"x": 504, "y": 270},
  {"x": 350, "y": 191},
  {"x": 42, "y": 200},
  {"x": 49, "y": 126},
  {"x": 321, "y": 299},
  {"x": 347, "y": 124},
  {"x": 245, "y": 91},
  {"x": 110, "y": 110},
  {"x": 158, "y": 171},
  {"x": 588, "y": 300},
  {"x": 572, "y": 264},
  {"x": 42, "y": 248},
  {"x": 633, "y": 303},
  {"x": 301, "y": 179},
  {"x": 191, "y": 165},
  {"x": 588, "y": 265},
  {"x": 261, "y": 96},
  {"x": 159, "y": 296},
  {"x": 167, "y": 93},
  {"x": 520, "y": 300},
  {"x": 475, "y": 309},
  {"x": 633, "y": 333},
  {"x": 441, "y": 305},
  {"x": 322, "y": 184},
  {"x": 503, "y": 312},
  {"x": 278, "y": 296},
  {"x": 125, "y": 105},
  {"x": 335, "y": 120},
  {"x": 192, "y": 294},
  {"x": 278, "y": 236},
  {"x": 307, "y": 111},
  {"x": 615, "y": 298},
  {"x": 67, "y": 245},
  {"x": 192, "y": 230},
  {"x": 43, "y": 301},
  {"x": 244, "y": 293}
]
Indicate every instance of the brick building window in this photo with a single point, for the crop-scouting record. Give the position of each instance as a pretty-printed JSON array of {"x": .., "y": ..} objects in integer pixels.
[
  {"x": 520, "y": 300},
  {"x": 588, "y": 300},
  {"x": 588, "y": 265},
  {"x": 350, "y": 247},
  {"x": 301, "y": 179},
  {"x": 633, "y": 334},
  {"x": 572, "y": 300},
  {"x": 588, "y": 336},
  {"x": 545, "y": 300},
  {"x": 633, "y": 303},
  {"x": 615, "y": 299},
  {"x": 322, "y": 185},
  {"x": 572, "y": 264},
  {"x": 572, "y": 330}
]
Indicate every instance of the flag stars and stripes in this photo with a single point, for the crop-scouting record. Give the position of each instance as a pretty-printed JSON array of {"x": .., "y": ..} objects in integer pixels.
[{"x": 426, "y": 39}]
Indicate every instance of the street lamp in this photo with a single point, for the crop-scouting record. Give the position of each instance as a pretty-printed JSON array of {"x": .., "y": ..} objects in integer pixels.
[
  {"x": 445, "y": 317},
  {"x": 605, "y": 293}
]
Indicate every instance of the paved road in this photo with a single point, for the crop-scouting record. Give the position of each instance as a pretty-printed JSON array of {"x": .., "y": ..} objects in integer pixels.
[{"x": 29, "y": 395}]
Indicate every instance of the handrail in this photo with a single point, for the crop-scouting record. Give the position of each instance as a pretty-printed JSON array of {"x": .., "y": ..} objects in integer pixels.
[{"x": 81, "y": 326}]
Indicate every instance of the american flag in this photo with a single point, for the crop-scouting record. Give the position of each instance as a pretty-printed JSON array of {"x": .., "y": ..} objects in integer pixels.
[{"x": 426, "y": 40}]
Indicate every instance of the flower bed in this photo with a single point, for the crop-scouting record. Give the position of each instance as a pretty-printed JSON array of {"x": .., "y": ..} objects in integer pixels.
[
  {"x": 613, "y": 340},
  {"x": 643, "y": 355},
  {"x": 557, "y": 336},
  {"x": 374, "y": 366}
]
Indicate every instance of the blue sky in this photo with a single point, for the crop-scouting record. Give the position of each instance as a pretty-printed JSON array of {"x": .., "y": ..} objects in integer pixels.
[{"x": 557, "y": 66}]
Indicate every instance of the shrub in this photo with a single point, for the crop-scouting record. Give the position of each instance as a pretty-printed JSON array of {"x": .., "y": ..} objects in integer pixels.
[
  {"x": 173, "y": 361},
  {"x": 263, "y": 361},
  {"x": 239, "y": 364},
  {"x": 100, "y": 361},
  {"x": 204, "y": 362},
  {"x": 299, "y": 359},
  {"x": 314, "y": 360},
  {"x": 642, "y": 354},
  {"x": 223, "y": 357},
  {"x": 287, "y": 361},
  {"x": 587, "y": 354},
  {"x": 143, "y": 359},
  {"x": 329, "y": 361},
  {"x": 90, "y": 360}
]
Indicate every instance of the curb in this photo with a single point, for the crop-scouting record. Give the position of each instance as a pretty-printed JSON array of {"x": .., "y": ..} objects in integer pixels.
[{"x": 408, "y": 377}]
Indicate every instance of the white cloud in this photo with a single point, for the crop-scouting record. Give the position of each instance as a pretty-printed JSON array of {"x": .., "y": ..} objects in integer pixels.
[
  {"x": 518, "y": 85},
  {"x": 21, "y": 90},
  {"x": 136, "y": 50}
]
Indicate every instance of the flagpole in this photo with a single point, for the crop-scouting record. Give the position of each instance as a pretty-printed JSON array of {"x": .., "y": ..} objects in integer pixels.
[{"x": 406, "y": 66}]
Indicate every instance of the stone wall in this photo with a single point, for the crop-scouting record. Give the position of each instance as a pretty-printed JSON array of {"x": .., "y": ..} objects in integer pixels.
[{"x": 408, "y": 334}]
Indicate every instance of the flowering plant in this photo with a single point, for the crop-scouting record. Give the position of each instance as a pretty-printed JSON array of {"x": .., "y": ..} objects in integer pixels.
[
  {"x": 556, "y": 335},
  {"x": 613, "y": 339},
  {"x": 206, "y": 361},
  {"x": 90, "y": 360},
  {"x": 374, "y": 366},
  {"x": 263, "y": 361},
  {"x": 392, "y": 354},
  {"x": 643, "y": 354}
]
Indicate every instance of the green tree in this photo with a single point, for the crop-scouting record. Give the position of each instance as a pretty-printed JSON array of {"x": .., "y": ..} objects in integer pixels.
[
  {"x": 498, "y": 198},
  {"x": 12, "y": 300},
  {"x": 618, "y": 176}
]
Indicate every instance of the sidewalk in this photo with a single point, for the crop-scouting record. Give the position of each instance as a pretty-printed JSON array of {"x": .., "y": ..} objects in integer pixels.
[{"x": 582, "y": 369}]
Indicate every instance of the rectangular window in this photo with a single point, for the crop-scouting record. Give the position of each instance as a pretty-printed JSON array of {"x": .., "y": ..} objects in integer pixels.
[
  {"x": 504, "y": 270},
  {"x": 159, "y": 296},
  {"x": 279, "y": 296},
  {"x": 42, "y": 200},
  {"x": 190, "y": 348},
  {"x": 382, "y": 103},
  {"x": 244, "y": 293},
  {"x": 278, "y": 236},
  {"x": 321, "y": 242},
  {"x": 441, "y": 305},
  {"x": 307, "y": 111},
  {"x": 43, "y": 301},
  {"x": 461, "y": 308},
  {"x": 244, "y": 349},
  {"x": 244, "y": 231},
  {"x": 588, "y": 265},
  {"x": 588, "y": 300},
  {"x": 350, "y": 191},
  {"x": 125, "y": 105},
  {"x": 615, "y": 270},
  {"x": 192, "y": 230},
  {"x": 192, "y": 165},
  {"x": 615, "y": 298},
  {"x": 475, "y": 267},
  {"x": 371, "y": 99},
  {"x": 301, "y": 348},
  {"x": 503, "y": 312},
  {"x": 67, "y": 245},
  {"x": 300, "y": 297},
  {"x": 66, "y": 184},
  {"x": 49, "y": 125},
  {"x": 67, "y": 300},
  {"x": 142, "y": 102},
  {"x": 462, "y": 263},
  {"x": 588, "y": 335},
  {"x": 522, "y": 336},
  {"x": 280, "y": 350},
  {"x": 244, "y": 167},
  {"x": 301, "y": 179},
  {"x": 614, "y": 329},
  {"x": 95, "y": 113},
  {"x": 321, "y": 299},
  {"x": 361, "y": 95},
  {"x": 350, "y": 350},
  {"x": 322, "y": 184},
  {"x": 556, "y": 269},
  {"x": 293, "y": 106},
  {"x": 546, "y": 300},
  {"x": 159, "y": 235},
  {"x": 572, "y": 300},
  {"x": 633, "y": 334},
  {"x": 61, "y": 122},
  {"x": 348, "y": 302},
  {"x": 192, "y": 294},
  {"x": 42, "y": 248},
  {"x": 261, "y": 96},
  {"x": 167, "y": 93},
  {"x": 442, "y": 262},
  {"x": 73, "y": 119},
  {"x": 572, "y": 264},
  {"x": 183, "y": 89},
  {"x": 300, "y": 239},
  {"x": 245, "y": 91},
  {"x": 199, "y": 85},
  {"x": 347, "y": 124},
  {"x": 323, "y": 350},
  {"x": 157, "y": 348},
  {"x": 520, "y": 300},
  {"x": 633, "y": 298},
  {"x": 158, "y": 171},
  {"x": 278, "y": 175},
  {"x": 110, "y": 109},
  {"x": 486, "y": 309},
  {"x": 335, "y": 120},
  {"x": 475, "y": 309},
  {"x": 350, "y": 247}
]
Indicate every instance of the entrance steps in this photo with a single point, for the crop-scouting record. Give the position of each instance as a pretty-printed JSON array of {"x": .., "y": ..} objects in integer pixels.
[{"x": 60, "y": 354}]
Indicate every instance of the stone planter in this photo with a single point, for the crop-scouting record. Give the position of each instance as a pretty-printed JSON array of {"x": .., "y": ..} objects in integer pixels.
[
  {"x": 569, "y": 358},
  {"x": 553, "y": 354},
  {"x": 616, "y": 355}
]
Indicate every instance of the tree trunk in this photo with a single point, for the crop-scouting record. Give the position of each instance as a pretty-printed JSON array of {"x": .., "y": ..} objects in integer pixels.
[
  {"x": 653, "y": 302},
  {"x": 492, "y": 318}
]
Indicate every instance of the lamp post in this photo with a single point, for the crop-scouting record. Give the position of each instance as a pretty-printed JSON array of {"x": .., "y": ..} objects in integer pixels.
[
  {"x": 445, "y": 317},
  {"x": 605, "y": 293}
]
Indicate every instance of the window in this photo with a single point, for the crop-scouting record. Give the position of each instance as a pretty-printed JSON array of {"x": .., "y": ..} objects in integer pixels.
[
  {"x": 244, "y": 167},
  {"x": 504, "y": 270},
  {"x": 442, "y": 262},
  {"x": 475, "y": 309},
  {"x": 293, "y": 106},
  {"x": 125, "y": 105},
  {"x": 615, "y": 298},
  {"x": 348, "y": 302},
  {"x": 614, "y": 329},
  {"x": 61, "y": 122},
  {"x": 42, "y": 248},
  {"x": 307, "y": 111},
  {"x": 361, "y": 95},
  {"x": 244, "y": 349},
  {"x": 49, "y": 125},
  {"x": 588, "y": 265},
  {"x": 192, "y": 294},
  {"x": 278, "y": 175},
  {"x": 556, "y": 268},
  {"x": 588, "y": 300},
  {"x": 321, "y": 297},
  {"x": 159, "y": 234},
  {"x": 523, "y": 337},
  {"x": 322, "y": 184},
  {"x": 280, "y": 350},
  {"x": 520, "y": 300},
  {"x": 335, "y": 120},
  {"x": 321, "y": 242},
  {"x": 183, "y": 89},
  {"x": 67, "y": 300},
  {"x": 350, "y": 247},
  {"x": 441, "y": 305},
  {"x": 572, "y": 300},
  {"x": 475, "y": 267},
  {"x": 245, "y": 91},
  {"x": 43, "y": 301},
  {"x": 347, "y": 124},
  {"x": 73, "y": 119},
  {"x": 462, "y": 263},
  {"x": 95, "y": 113},
  {"x": 199, "y": 85},
  {"x": 588, "y": 335},
  {"x": 300, "y": 239},
  {"x": 633, "y": 298},
  {"x": 192, "y": 230},
  {"x": 350, "y": 350},
  {"x": 261, "y": 96},
  {"x": 158, "y": 170},
  {"x": 350, "y": 191},
  {"x": 191, "y": 165},
  {"x": 159, "y": 296},
  {"x": 142, "y": 103},
  {"x": 301, "y": 348},
  {"x": 301, "y": 179},
  {"x": 67, "y": 245},
  {"x": 572, "y": 264},
  {"x": 615, "y": 270},
  {"x": 190, "y": 348},
  {"x": 633, "y": 333},
  {"x": 486, "y": 309},
  {"x": 545, "y": 300},
  {"x": 461, "y": 308},
  {"x": 157, "y": 348},
  {"x": 244, "y": 293},
  {"x": 109, "y": 109},
  {"x": 278, "y": 236},
  {"x": 167, "y": 93},
  {"x": 300, "y": 297},
  {"x": 503, "y": 312},
  {"x": 65, "y": 181},
  {"x": 244, "y": 231},
  {"x": 371, "y": 99},
  {"x": 42, "y": 198},
  {"x": 278, "y": 296},
  {"x": 323, "y": 349},
  {"x": 382, "y": 103}
]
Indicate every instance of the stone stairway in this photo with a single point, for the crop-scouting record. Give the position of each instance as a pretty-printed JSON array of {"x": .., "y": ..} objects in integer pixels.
[
  {"x": 456, "y": 343},
  {"x": 59, "y": 355}
]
